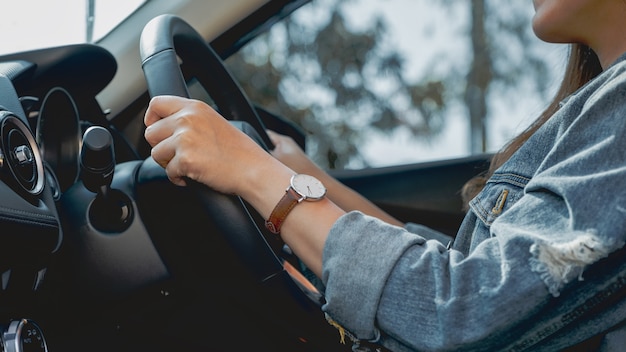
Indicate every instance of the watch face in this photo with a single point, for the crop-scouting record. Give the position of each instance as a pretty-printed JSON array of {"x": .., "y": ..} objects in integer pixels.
[{"x": 308, "y": 186}]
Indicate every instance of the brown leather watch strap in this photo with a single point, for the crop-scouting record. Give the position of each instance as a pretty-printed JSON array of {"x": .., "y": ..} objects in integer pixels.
[{"x": 284, "y": 206}]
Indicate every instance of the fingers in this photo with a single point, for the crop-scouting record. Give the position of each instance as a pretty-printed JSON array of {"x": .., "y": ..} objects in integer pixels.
[
  {"x": 158, "y": 127},
  {"x": 273, "y": 136},
  {"x": 161, "y": 107},
  {"x": 167, "y": 114},
  {"x": 161, "y": 126},
  {"x": 280, "y": 140},
  {"x": 184, "y": 135},
  {"x": 276, "y": 139},
  {"x": 159, "y": 131},
  {"x": 171, "y": 170},
  {"x": 163, "y": 152}
]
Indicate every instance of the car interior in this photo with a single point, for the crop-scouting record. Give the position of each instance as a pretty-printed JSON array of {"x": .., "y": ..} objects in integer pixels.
[{"x": 101, "y": 252}]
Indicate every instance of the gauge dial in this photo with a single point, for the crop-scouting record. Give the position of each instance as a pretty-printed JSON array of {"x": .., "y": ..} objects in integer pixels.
[{"x": 58, "y": 135}]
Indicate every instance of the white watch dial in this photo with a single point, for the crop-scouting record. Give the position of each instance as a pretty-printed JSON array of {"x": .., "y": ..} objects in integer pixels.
[{"x": 308, "y": 186}]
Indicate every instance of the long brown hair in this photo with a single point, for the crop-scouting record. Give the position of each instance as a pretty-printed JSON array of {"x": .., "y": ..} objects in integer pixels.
[{"x": 582, "y": 66}]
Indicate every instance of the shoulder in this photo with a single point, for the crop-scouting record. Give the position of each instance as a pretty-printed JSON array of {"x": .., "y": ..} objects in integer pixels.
[{"x": 602, "y": 99}]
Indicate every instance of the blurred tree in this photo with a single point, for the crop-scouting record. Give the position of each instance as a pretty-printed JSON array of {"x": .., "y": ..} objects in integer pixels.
[
  {"x": 502, "y": 61},
  {"x": 337, "y": 83}
]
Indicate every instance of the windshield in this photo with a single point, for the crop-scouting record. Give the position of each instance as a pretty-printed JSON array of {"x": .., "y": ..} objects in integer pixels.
[{"x": 32, "y": 24}]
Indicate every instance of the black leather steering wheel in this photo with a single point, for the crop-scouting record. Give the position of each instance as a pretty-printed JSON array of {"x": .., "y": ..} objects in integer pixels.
[
  {"x": 163, "y": 40},
  {"x": 167, "y": 38},
  {"x": 183, "y": 221}
]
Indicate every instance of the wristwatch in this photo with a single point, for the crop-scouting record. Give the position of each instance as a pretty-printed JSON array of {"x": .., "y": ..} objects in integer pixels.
[{"x": 301, "y": 187}]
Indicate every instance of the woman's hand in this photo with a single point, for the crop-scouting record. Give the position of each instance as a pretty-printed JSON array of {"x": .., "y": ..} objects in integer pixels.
[{"x": 190, "y": 139}]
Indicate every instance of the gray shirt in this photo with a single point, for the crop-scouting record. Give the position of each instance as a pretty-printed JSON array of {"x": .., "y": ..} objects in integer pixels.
[{"x": 537, "y": 263}]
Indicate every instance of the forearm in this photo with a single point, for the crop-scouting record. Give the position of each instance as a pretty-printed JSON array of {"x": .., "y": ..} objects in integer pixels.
[
  {"x": 290, "y": 154},
  {"x": 306, "y": 227},
  {"x": 348, "y": 199}
]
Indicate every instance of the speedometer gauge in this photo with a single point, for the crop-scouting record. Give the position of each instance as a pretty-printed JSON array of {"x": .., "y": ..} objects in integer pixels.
[{"x": 58, "y": 135}]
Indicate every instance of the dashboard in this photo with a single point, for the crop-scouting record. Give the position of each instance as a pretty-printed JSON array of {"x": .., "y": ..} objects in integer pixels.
[{"x": 47, "y": 103}]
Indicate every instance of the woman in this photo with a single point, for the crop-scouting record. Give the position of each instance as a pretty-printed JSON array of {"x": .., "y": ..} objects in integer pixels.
[{"x": 538, "y": 261}]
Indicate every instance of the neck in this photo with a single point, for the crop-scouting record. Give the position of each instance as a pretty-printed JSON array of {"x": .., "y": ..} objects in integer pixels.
[
  {"x": 609, "y": 55},
  {"x": 609, "y": 41}
]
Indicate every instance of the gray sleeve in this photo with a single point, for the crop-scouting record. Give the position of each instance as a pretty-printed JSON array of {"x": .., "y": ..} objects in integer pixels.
[
  {"x": 358, "y": 247},
  {"x": 428, "y": 233},
  {"x": 379, "y": 277}
]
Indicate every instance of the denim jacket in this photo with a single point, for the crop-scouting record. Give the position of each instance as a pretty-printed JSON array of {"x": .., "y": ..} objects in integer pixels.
[{"x": 537, "y": 264}]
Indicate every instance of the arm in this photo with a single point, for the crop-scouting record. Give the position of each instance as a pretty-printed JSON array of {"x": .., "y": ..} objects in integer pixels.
[
  {"x": 189, "y": 138},
  {"x": 289, "y": 153},
  {"x": 379, "y": 276}
]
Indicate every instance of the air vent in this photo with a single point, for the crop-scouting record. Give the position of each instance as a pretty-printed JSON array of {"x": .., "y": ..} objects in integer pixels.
[{"x": 21, "y": 154}]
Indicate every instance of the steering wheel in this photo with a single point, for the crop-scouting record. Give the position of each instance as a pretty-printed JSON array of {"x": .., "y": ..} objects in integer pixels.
[
  {"x": 163, "y": 41},
  {"x": 166, "y": 41}
]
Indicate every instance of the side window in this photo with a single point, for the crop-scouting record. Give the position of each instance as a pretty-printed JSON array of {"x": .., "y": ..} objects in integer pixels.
[{"x": 380, "y": 83}]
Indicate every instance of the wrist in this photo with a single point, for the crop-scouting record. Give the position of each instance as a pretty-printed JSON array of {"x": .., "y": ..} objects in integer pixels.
[
  {"x": 302, "y": 188},
  {"x": 265, "y": 184}
]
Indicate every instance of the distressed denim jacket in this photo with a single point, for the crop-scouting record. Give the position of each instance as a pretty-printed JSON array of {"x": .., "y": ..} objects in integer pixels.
[{"x": 538, "y": 263}]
